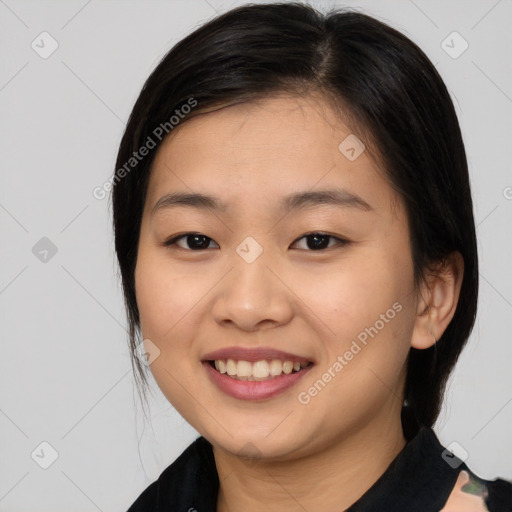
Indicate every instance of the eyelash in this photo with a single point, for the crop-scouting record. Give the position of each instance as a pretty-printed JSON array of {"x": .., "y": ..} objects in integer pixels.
[{"x": 340, "y": 241}]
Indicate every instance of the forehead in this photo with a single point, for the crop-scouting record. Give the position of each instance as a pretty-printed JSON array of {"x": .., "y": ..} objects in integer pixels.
[{"x": 266, "y": 148}]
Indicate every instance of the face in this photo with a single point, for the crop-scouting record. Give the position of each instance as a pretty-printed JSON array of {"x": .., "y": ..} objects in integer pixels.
[{"x": 300, "y": 254}]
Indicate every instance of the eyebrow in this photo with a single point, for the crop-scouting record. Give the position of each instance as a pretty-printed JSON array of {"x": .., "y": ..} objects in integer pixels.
[{"x": 296, "y": 201}]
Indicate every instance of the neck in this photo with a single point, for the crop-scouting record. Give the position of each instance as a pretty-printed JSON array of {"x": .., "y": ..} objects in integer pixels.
[{"x": 331, "y": 479}]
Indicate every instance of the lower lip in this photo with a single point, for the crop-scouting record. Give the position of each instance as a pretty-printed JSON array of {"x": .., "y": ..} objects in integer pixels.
[{"x": 254, "y": 390}]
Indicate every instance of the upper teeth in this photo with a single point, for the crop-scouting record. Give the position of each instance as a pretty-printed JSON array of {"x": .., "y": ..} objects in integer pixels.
[{"x": 247, "y": 370}]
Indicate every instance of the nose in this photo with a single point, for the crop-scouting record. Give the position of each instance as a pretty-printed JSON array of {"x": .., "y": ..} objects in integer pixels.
[{"x": 253, "y": 296}]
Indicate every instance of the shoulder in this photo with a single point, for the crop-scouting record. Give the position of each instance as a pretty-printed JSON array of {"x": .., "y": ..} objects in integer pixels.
[
  {"x": 474, "y": 494},
  {"x": 178, "y": 483},
  {"x": 444, "y": 475},
  {"x": 146, "y": 500},
  {"x": 427, "y": 477}
]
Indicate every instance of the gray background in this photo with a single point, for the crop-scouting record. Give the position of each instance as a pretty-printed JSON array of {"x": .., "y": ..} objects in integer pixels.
[{"x": 65, "y": 375}]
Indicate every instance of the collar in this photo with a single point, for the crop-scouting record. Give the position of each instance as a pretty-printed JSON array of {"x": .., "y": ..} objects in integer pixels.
[{"x": 419, "y": 479}]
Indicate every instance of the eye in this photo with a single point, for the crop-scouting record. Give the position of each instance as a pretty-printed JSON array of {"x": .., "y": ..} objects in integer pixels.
[
  {"x": 318, "y": 241},
  {"x": 195, "y": 241}
]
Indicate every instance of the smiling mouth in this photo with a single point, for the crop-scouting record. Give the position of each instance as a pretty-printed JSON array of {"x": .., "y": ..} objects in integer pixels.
[{"x": 265, "y": 369}]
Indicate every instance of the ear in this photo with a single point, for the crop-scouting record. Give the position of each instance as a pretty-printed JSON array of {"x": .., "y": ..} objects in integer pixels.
[{"x": 437, "y": 300}]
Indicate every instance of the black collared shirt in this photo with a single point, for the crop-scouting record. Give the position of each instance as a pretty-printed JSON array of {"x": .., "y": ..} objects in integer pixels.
[{"x": 424, "y": 477}]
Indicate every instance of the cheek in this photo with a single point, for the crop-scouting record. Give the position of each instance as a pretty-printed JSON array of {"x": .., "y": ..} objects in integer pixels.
[
  {"x": 350, "y": 296},
  {"x": 164, "y": 296},
  {"x": 367, "y": 313},
  {"x": 167, "y": 302}
]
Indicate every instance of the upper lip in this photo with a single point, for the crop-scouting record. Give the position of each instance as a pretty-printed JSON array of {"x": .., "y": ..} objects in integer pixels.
[{"x": 253, "y": 354}]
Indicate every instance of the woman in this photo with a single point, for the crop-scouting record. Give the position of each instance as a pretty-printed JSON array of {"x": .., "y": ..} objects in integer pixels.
[{"x": 294, "y": 227}]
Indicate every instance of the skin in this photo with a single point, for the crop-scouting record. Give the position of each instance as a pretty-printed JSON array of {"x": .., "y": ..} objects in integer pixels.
[{"x": 323, "y": 455}]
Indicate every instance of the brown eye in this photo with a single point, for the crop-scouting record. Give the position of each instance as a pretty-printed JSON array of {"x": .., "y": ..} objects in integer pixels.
[
  {"x": 320, "y": 241},
  {"x": 193, "y": 241}
]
